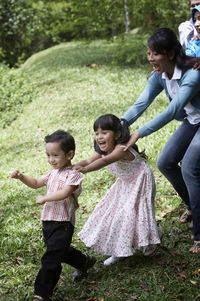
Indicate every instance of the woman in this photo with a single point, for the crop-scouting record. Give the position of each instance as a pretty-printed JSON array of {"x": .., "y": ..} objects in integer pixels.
[{"x": 173, "y": 72}]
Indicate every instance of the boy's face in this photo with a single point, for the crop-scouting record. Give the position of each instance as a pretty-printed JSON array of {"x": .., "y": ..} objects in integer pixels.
[
  {"x": 194, "y": 3},
  {"x": 57, "y": 158},
  {"x": 197, "y": 22}
]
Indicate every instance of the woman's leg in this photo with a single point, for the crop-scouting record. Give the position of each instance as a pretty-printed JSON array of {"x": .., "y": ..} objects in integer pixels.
[
  {"x": 171, "y": 156},
  {"x": 191, "y": 175}
]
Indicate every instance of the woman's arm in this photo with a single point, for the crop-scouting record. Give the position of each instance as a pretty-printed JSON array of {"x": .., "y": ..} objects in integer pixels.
[
  {"x": 153, "y": 88},
  {"x": 31, "y": 182},
  {"x": 188, "y": 89},
  {"x": 56, "y": 196}
]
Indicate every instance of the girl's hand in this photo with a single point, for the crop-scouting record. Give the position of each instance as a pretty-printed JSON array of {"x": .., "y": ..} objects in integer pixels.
[
  {"x": 16, "y": 174},
  {"x": 134, "y": 137},
  {"x": 80, "y": 168},
  {"x": 40, "y": 200}
]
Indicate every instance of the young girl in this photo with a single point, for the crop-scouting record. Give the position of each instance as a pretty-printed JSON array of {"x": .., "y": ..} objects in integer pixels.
[
  {"x": 125, "y": 218},
  {"x": 58, "y": 215}
]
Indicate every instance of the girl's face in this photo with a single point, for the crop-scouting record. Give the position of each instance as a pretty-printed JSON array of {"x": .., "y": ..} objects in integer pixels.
[
  {"x": 57, "y": 158},
  {"x": 106, "y": 140},
  {"x": 161, "y": 62},
  {"x": 197, "y": 22}
]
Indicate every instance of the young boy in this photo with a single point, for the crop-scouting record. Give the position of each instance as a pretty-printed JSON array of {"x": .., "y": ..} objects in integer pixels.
[
  {"x": 58, "y": 215},
  {"x": 193, "y": 48},
  {"x": 187, "y": 29}
]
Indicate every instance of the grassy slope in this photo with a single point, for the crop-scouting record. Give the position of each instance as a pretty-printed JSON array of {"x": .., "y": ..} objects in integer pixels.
[{"x": 71, "y": 96}]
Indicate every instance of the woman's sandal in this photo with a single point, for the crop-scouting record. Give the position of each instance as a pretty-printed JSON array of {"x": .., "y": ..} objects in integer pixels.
[
  {"x": 195, "y": 248},
  {"x": 186, "y": 217},
  {"x": 38, "y": 298}
]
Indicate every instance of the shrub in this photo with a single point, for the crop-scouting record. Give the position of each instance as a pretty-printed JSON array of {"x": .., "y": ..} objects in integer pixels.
[{"x": 131, "y": 48}]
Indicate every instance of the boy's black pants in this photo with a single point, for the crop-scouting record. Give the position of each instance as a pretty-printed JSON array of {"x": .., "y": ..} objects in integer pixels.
[{"x": 57, "y": 238}]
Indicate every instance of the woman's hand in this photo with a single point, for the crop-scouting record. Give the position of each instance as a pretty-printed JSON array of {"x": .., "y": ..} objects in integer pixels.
[{"x": 134, "y": 137}]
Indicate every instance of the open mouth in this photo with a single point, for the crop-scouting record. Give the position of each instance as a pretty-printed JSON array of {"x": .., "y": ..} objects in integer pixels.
[
  {"x": 156, "y": 67},
  {"x": 102, "y": 144}
]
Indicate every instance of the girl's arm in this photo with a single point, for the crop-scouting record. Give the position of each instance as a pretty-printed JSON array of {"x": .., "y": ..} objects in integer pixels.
[
  {"x": 31, "y": 182},
  {"x": 56, "y": 196},
  {"x": 116, "y": 155},
  {"x": 86, "y": 162}
]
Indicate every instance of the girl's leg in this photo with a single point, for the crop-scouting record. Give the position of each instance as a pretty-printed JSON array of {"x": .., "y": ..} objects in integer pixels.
[
  {"x": 171, "y": 156},
  {"x": 191, "y": 175}
]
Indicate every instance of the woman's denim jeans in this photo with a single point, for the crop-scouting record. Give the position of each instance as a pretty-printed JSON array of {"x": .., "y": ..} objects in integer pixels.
[{"x": 179, "y": 162}]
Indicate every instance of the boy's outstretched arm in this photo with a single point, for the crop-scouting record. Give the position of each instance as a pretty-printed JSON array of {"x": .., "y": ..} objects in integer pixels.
[
  {"x": 31, "y": 182},
  {"x": 56, "y": 196}
]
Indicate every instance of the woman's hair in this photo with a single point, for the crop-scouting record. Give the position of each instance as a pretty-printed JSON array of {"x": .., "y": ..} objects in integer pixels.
[
  {"x": 113, "y": 123},
  {"x": 164, "y": 41},
  {"x": 66, "y": 141}
]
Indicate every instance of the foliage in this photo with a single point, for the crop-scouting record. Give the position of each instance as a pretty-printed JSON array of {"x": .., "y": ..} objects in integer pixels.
[
  {"x": 19, "y": 26},
  {"x": 75, "y": 83},
  {"x": 16, "y": 91},
  {"x": 131, "y": 48},
  {"x": 29, "y": 26},
  {"x": 153, "y": 14}
]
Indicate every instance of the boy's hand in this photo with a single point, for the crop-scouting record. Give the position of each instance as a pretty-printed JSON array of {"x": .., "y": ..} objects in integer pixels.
[
  {"x": 40, "y": 200},
  {"x": 16, "y": 174}
]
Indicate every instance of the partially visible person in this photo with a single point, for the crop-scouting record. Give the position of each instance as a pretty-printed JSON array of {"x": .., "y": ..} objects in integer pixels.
[
  {"x": 186, "y": 29},
  {"x": 125, "y": 217},
  {"x": 58, "y": 215},
  {"x": 193, "y": 48},
  {"x": 173, "y": 72}
]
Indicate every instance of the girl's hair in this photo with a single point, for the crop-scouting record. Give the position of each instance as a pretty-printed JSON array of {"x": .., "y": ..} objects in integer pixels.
[
  {"x": 164, "y": 41},
  {"x": 66, "y": 141},
  {"x": 113, "y": 123}
]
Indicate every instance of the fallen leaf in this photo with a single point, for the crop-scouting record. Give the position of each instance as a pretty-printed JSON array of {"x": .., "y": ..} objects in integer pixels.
[
  {"x": 134, "y": 297},
  {"x": 126, "y": 268},
  {"x": 92, "y": 65},
  {"x": 183, "y": 275},
  {"x": 196, "y": 272},
  {"x": 194, "y": 283},
  {"x": 92, "y": 298}
]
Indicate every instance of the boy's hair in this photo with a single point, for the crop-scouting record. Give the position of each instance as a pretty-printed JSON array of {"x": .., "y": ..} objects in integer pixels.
[{"x": 66, "y": 141}]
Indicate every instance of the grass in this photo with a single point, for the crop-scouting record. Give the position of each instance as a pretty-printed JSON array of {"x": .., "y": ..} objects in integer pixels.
[{"x": 69, "y": 95}]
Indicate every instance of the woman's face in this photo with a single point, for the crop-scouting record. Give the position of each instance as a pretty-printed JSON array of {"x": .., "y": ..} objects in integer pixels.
[{"x": 160, "y": 62}]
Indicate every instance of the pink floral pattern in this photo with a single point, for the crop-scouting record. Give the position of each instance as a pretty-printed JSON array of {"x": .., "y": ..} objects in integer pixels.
[{"x": 125, "y": 218}]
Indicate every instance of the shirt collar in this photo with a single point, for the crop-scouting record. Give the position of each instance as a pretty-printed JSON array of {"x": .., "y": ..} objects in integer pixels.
[{"x": 177, "y": 74}]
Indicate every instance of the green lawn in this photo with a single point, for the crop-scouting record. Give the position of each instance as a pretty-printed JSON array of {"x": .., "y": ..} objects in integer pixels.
[{"x": 68, "y": 94}]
